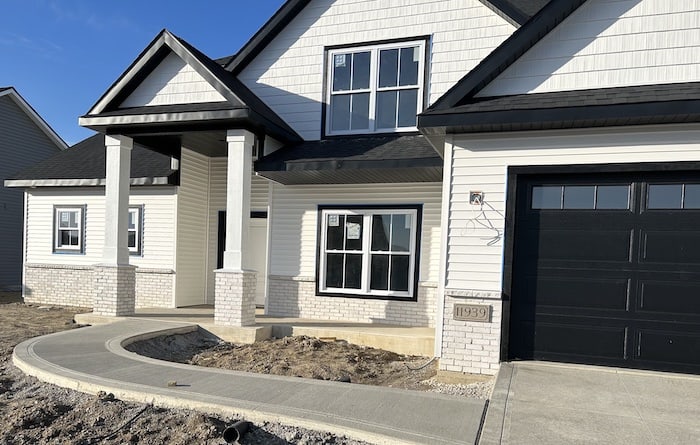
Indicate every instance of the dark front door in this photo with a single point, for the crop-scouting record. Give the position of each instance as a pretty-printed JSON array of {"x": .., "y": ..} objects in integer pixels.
[{"x": 607, "y": 270}]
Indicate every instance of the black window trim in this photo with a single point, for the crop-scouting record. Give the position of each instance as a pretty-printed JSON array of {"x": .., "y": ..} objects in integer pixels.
[
  {"x": 418, "y": 208},
  {"x": 425, "y": 87},
  {"x": 139, "y": 230}
]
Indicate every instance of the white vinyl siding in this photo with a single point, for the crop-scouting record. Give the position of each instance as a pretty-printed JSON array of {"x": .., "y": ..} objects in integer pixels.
[
  {"x": 217, "y": 203},
  {"x": 610, "y": 43},
  {"x": 288, "y": 74},
  {"x": 481, "y": 163},
  {"x": 295, "y": 226},
  {"x": 158, "y": 229},
  {"x": 173, "y": 81},
  {"x": 192, "y": 223}
]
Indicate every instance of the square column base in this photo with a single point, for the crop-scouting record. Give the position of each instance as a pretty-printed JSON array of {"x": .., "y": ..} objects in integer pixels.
[
  {"x": 234, "y": 298},
  {"x": 115, "y": 290}
]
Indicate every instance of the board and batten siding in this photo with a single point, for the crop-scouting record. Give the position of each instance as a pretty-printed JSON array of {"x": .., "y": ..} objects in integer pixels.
[
  {"x": 22, "y": 143},
  {"x": 610, "y": 43},
  {"x": 295, "y": 223},
  {"x": 172, "y": 82},
  {"x": 481, "y": 163},
  {"x": 217, "y": 202},
  {"x": 288, "y": 74},
  {"x": 158, "y": 229},
  {"x": 192, "y": 233}
]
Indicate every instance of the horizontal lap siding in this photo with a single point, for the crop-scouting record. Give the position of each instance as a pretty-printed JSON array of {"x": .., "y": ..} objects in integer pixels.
[
  {"x": 158, "y": 229},
  {"x": 482, "y": 164},
  {"x": 172, "y": 82},
  {"x": 192, "y": 223},
  {"x": 608, "y": 43},
  {"x": 288, "y": 73},
  {"x": 217, "y": 202},
  {"x": 294, "y": 221},
  {"x": 22, "y": 144}
]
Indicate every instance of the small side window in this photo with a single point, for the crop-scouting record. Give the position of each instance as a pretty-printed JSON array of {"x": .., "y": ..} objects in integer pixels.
[
  {"x": 135, "y": 229},
  {"x": 69, "y": 228}
]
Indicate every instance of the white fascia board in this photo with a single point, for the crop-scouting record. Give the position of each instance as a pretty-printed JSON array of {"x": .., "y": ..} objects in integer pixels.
[
  {"x": 34, "y": 116},
  {"x": 192, "y": 116},
  {"x": 31, "y": 183}
]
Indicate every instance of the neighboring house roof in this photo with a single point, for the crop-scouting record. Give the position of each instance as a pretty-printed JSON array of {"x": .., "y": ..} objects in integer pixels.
[
  {"x": 241, "y": 107},
  {"x": 29, "y": 111},
  {"x": 632, "y": 105},
  {"x": 347, "y": 160},
  {"x": 515, "y": 11},
  {"x": 83, "y": 164}
]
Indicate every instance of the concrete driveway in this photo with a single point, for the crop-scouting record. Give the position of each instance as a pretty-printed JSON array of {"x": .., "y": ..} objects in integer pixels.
[{"x": 544, "y": 403}]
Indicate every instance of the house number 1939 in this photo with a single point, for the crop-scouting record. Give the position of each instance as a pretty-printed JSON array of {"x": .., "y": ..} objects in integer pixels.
[{"x": 472, "y": 312}]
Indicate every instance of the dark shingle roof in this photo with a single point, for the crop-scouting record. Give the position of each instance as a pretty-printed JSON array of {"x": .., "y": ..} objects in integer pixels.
[
  {"x": 631, "y": 105},
  {"x": 354, "y": 160},
  {"x": 4, "y": 88},
  {"x": 86, "y": 160}
]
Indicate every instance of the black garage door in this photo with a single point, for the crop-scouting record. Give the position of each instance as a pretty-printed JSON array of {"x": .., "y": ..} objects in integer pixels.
[{"x": 606, "y": 270}]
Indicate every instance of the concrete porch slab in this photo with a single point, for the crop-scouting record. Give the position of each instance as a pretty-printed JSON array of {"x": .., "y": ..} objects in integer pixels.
[{"x": 398, "y": 339}]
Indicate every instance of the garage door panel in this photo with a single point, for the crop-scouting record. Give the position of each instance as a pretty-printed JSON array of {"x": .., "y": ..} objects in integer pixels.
[
  {"x": 668, "y": 347},
  {"x": 578, "y": 245},
  {"x": 670, "y": 297},
  {"x": 675, "y": 247},
  {"x": 576, "y": 292},
  {"x": 612, "y": 283},
  {"x": 553, "y": 339}
]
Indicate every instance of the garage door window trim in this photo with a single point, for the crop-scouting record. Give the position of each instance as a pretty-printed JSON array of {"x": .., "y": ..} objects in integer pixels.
[{"x": 581, "y": 197}]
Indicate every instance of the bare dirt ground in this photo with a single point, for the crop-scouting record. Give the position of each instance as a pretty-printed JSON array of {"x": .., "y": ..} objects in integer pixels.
[
  {"x": 32, "y": 412},
  {"x": 309, "y": 357}
]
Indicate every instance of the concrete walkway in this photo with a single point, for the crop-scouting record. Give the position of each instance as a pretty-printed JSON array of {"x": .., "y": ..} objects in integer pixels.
[
  {"x": 92, "y": 359},
  {"x": 544, "y": 403}
]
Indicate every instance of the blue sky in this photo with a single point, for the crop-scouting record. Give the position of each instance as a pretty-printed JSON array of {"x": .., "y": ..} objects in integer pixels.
[{"x": 61, "y": 55}]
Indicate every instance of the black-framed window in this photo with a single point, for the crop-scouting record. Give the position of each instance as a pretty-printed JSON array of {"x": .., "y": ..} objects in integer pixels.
[
  {"x": 369, "y": 251},
  {"x": 375, "y": 88},
  {"x": 135, "y": 230},
  {"x": 69, "y": 229}
]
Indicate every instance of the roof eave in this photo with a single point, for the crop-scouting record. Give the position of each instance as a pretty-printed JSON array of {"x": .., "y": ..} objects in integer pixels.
[
  {"x": 649, "y": 113},
  {"x": 87, "y": 182}
]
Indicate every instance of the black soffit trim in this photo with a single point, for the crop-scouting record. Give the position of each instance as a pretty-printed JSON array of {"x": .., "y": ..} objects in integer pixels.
[{"x": 507, "y": 53}]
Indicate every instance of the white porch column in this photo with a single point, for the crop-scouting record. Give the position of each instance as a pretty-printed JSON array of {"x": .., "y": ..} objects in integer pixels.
[
  {"x": 115, "y": 279},
  {"x": 234, "y": 303}
]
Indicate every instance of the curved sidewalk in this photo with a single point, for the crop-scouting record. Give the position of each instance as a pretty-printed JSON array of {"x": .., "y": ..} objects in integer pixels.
[{"x": 92, "y": 359}]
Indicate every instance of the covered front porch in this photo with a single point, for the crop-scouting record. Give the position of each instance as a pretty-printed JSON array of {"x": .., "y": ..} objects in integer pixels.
[
  {"x": 219, "y": 255},
  {"x": 399, "y": 339}
]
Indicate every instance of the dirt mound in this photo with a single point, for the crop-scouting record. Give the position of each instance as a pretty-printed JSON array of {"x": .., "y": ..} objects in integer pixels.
[{"x": 312, "y": 358}]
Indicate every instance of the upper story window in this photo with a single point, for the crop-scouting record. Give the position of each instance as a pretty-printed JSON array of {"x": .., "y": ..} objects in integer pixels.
[{"x": 375, "y": 89}]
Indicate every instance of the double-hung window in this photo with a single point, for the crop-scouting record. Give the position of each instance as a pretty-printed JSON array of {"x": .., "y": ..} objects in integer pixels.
[
  {"x": 375, "y": 89},
  {"x": 69, "y": 229},
  {"x": 369, "y": 251},
  {"x": 135, "y": 229}
]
